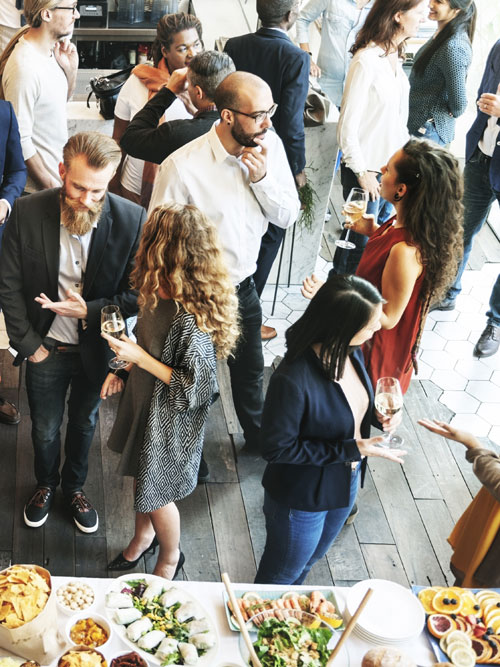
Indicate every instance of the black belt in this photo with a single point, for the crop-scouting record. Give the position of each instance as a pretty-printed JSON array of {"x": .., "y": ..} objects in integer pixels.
[
  {"x": 53, "y": 344},
  {"x": 482, "y": 157},
  {"x": 245, "y": 284}
]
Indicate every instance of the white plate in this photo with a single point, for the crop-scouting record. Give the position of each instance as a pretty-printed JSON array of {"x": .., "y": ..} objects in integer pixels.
[
  {"x": 393, "y": 612},
  {"x": 116, "y": 586},
  {"x": 382, "y": 641}
]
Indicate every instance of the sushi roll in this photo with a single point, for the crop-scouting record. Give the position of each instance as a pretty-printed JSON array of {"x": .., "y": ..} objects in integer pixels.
[
  {"x": 169, "y": 598},
  {"x": 153, "y": 590},
  {"x": 189, "y": 653},
  {"x": 126, "y": 616},
  {"x": 189, "y": 610},
  {"x": 194, "y": 627},
  {"x": 119, "y": 600},
  {"x": 203, "y": 640},
  {"x": 138, "y": 628},
  {"x": 151, "y": 640},
  {"x": 166, "y": 648}
]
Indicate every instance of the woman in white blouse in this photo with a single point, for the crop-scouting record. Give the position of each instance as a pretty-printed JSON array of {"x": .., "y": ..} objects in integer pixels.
[{"x": 374, "y": 110}]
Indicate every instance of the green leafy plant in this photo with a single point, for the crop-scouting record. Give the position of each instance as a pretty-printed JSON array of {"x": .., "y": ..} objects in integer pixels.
[{"x": 308, "y": 199}]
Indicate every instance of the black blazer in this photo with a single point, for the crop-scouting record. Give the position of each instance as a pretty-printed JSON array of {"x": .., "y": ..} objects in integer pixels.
[
  {"x": 29, "y": 264},
  {"x": 307, "y": 435},
  {"x": 12, "y": 167},
  {"x": 273, "y": 56}
]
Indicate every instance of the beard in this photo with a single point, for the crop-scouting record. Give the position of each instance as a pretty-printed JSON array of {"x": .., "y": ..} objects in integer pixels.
[
  {"x": 243, "y": 138},
  {"x": 78, "y": 219}
]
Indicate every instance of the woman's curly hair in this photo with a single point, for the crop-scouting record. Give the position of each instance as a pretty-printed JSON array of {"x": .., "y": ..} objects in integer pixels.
[
  {"x": 432, "y": 212},
  {"x": 180, "y": 252}
]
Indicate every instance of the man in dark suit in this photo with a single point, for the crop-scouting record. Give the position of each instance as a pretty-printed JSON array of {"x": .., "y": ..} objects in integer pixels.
[
  {"x": 66, "y": 253},
  {"x": 271, "y": 54},
  {"x": 12, "y": 182}
]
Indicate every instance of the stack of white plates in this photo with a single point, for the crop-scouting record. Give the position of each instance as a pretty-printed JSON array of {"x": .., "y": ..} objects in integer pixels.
[{"x": 393, "y": 614}]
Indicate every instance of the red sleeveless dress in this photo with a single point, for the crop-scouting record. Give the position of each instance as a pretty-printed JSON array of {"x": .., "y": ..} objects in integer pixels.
[{"x": 388, "y": 353}]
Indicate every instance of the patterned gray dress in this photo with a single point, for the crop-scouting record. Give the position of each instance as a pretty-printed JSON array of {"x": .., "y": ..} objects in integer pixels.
[{"x": 159, "y": 428}]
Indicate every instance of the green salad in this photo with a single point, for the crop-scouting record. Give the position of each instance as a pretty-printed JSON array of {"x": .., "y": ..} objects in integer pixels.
[{"x": 291, "y": 644}]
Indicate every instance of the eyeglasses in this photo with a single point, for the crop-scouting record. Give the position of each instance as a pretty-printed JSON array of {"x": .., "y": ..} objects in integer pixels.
[
  {"x": 72, "y": 9},
  {"x": 258, "y": 116}
]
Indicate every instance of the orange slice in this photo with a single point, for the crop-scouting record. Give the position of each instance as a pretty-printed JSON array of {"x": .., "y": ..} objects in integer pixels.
[
  {"x": 426, "y": 595},
  {"x": 469, "y": 601},
  {"x": 447, "y": 601}
]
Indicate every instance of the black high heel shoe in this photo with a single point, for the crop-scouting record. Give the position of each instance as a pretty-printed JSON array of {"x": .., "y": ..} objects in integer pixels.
[
  {"x": 121, "y": 564},
  {"x": 180, "y": 563}
]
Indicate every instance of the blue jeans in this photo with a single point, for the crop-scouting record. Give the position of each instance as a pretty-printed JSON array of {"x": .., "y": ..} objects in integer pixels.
[
  {"x": 479, "y": 195},
  {"x": 296, "y": 539},
  {"x": 430, "y": 133},
  {"x": 346, "y": 261},
  {"x": 47, "y": 383},
  {"x": 247, "y": 366}
]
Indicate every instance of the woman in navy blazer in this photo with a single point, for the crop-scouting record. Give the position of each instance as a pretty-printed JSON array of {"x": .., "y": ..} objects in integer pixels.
[{"x": 315, "y": 431}]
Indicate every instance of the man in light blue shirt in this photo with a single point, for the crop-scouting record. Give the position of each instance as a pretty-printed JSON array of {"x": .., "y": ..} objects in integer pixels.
[{"x": 342, "y": 20}]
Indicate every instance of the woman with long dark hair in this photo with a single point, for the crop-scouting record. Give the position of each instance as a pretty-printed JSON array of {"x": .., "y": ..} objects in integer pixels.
[
  {"x": 413, "y": 257},
  {"x": 374, "y": 110},
  {"x": 438, "y": 92},
  {"x": 315, "y": 431}
]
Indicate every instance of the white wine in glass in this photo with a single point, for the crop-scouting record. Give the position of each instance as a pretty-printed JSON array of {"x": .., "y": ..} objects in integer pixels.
[
  {"x": 353, "y": 210},
  {"x": 113, "y": 324},
  {"x": 389, "y": 401}
]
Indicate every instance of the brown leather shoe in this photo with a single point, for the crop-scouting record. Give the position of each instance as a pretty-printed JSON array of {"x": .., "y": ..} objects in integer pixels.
[
  {"x": 9, "y": 414},
  {"x": 268, "y": 333}
]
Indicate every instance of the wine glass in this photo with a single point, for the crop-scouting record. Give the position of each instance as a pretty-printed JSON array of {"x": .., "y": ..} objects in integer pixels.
[
  {"x": 389, "y": 401},
  {"x": 354, "y": 209},
  {"x": 113, "y": 324}
]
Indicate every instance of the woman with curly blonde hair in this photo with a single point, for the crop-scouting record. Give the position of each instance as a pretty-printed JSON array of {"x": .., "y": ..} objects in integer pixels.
[
  {"x": 188, "y": 315},
  {"x": 413, "y": 257}
]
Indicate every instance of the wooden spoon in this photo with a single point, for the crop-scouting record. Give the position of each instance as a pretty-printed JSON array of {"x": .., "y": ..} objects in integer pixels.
[
  {"x": 243, "y": 626},
  {"x": 349, "y": 627}
]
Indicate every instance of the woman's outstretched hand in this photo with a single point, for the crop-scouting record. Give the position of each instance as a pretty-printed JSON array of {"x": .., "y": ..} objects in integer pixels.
[
  {"x": 310, "y": 286},
  {"x": 450, "y": 432},
  {"x": 370, "y": 447}
]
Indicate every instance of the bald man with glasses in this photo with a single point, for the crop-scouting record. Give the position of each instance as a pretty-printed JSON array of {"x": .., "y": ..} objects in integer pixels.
[{"x": 38, "y": 77}]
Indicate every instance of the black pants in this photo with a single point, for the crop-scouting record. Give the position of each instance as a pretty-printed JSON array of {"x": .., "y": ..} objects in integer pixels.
[
  {"x": 269, "y": 247},
  {"x": 247, "y": 367}
]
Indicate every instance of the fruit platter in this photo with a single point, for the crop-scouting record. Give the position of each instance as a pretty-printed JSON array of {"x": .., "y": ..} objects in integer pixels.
[
  {"x": 163, "y": 623},
  {"x": 274, "y": 603},
  {"x": 463, "y": 624}
]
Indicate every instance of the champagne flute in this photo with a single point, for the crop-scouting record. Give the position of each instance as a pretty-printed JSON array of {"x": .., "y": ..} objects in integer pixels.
[
  {"x": 113, "y": 324},
  {"x": 389, "y": 401},
  {"x": 354, "y": 209}
]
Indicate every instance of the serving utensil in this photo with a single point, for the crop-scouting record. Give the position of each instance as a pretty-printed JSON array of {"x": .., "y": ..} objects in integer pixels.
[
  {"x": 349, "y": 627},
  {"x": 243, "y": 627}
]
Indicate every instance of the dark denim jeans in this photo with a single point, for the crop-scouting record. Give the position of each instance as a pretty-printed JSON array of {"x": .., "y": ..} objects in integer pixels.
[
  {"x": 247, "y": 367},
  {"x": 346, "y": 261},
  {"x": 295, "y": 539},
  {"x": 478, "y": 198},
  {"x": 47, "y": 384}
]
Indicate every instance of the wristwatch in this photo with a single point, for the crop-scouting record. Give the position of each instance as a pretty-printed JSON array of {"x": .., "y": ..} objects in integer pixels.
[{"x": 359, "y": 174}]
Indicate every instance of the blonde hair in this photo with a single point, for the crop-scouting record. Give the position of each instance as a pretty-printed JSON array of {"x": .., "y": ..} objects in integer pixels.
[
  {"x": 99, "y": 149},
  {"x": 180, "y": 253}
]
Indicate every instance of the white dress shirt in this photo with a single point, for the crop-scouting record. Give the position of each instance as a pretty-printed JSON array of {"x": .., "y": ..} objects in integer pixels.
[
  {"x": 204, "y": 174},
  {"x": 488, "y": 141},
  {"x": 374, "y": 111}
]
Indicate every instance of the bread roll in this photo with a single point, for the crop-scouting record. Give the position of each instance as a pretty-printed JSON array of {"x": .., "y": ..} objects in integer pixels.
[{"x": 386, "y": 657}]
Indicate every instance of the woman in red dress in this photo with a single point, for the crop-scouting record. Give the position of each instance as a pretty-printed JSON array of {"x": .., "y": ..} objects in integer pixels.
[{"x": 412, "y": 257}]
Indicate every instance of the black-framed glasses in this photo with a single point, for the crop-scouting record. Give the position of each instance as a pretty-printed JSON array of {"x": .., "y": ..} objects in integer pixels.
[
  {"x": 258, "y": 116},
  {"x": 72, "y": 9}
]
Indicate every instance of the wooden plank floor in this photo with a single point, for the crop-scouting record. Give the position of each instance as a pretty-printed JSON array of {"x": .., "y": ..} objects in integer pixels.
[{"x": 400, "y": 534}]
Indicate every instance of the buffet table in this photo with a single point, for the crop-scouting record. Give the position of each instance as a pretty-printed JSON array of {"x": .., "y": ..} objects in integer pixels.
[{"x": 210, "y": 596}]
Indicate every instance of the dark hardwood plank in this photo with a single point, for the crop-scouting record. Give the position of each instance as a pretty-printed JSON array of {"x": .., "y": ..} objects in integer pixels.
[
  {"x": 345, "y": 558},
  {"x": 371, "y": 523},
  {"x": 439, "y": 524},
  {"x": 9, "y": 373},
  {"x": 234, "y": 546},
  {"x": 320, "y": 574},
  {"x": 8, "y": 440},
  {"x": 218, "y": 447},
  {"x": 383, "y": 562},
  {"x": 226, "y": 397},
  {"x": 250, "y": 470},
  {"x": 90, "y": 559},
  {"x": 5, "y": 559}
]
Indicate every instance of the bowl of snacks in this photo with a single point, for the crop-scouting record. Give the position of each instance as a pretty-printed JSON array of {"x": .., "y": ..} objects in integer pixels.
[
  {"x": 81, "y": 656},
  {"x": 295, "y": 637},
  {"x": 89, "y": 630},
  {"x": 75, "y": 596},
  {"x": 127, "y": 659}
]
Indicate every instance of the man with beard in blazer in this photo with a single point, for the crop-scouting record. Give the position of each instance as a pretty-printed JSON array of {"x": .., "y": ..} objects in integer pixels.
[
  {"x": 270, "y": 54},
  {"x": 66, "y": 253}
]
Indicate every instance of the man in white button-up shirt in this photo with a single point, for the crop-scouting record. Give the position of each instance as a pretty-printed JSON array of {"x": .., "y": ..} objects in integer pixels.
[{"x": 238, "y": 175}]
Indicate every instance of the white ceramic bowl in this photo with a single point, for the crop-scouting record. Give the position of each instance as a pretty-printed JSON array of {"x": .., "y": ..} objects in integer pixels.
[
  {"x": 64, "y": 608},
  {"x": 97, "y": 618},
  {"x": 143, "y": 662},
  {"x": 82, "y": 649}
]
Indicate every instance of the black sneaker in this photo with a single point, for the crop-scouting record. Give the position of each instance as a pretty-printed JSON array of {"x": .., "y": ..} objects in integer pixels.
[
  {"x": 203, "y": 472},
  {"x": 84, "y": 515},
  {"x": 38, "y": 507}
]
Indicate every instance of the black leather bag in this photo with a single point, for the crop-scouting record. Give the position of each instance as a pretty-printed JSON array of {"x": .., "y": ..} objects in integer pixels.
[{"x": 106, "y": 89}]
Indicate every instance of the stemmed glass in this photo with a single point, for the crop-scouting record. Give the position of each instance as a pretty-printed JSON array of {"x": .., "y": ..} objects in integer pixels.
[
  {"x": 354, "y": 209},
  {"x": 113, "y": 324},
  {"x": 389, "y": 401}
]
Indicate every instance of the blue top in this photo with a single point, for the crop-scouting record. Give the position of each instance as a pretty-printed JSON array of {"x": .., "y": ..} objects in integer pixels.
[
  {"x": 307, "y": 435},
  {"x": 489, "y": 84},
  {"x": 440, "y": 93}
]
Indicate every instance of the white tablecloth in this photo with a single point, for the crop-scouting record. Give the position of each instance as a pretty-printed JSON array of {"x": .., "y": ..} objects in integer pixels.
[{"x": 211, "y": 597}]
